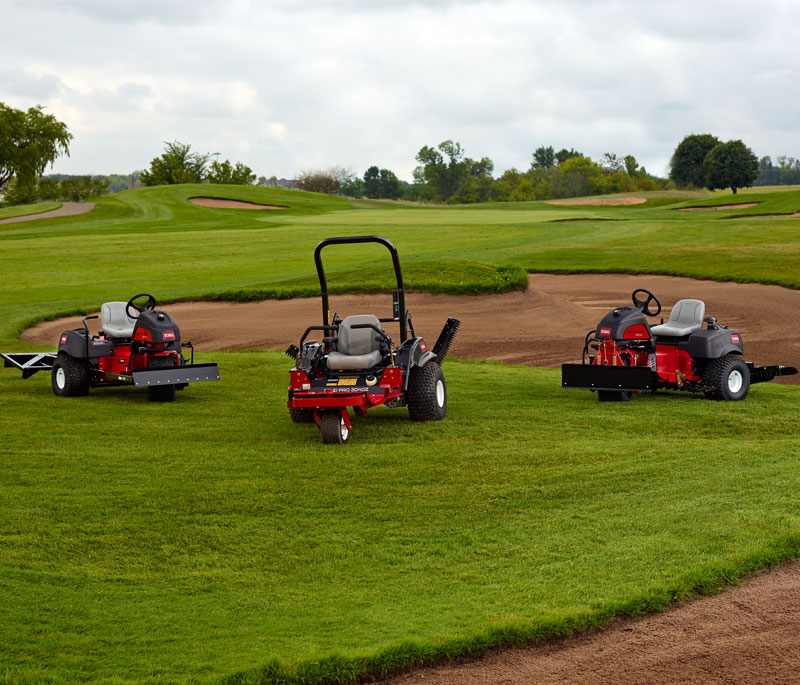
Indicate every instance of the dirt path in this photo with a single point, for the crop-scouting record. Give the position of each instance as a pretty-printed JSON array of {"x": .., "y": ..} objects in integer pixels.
[
  {"x": 66, "y": 209},
  {"x": 542, "y": 326},
  {"x": 749, "y": 634}
]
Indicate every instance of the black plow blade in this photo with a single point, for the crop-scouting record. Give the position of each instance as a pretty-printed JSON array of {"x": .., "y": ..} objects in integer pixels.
[
  {"x": 597, "y": 377},
  {"x": 178, "y": 375}
]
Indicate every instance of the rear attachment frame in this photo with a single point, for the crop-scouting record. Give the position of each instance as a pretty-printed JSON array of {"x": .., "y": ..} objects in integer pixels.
[{"x": 29, "y": 362}]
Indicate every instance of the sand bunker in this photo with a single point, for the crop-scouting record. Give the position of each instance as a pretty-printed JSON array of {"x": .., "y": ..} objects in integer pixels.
[
  {"x": 599, "y": 202},
  {"x": 219, "y": 203},
  {"x": 743, "y": 205},
  {"x": 66, "y": 209},
  {"x": 542, "y": 326}
]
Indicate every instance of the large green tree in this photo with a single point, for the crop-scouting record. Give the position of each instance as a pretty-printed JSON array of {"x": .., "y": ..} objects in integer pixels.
[
  {"x": 29, "y": 141},
  {"x": 730, "y": 165},
  {"x": 688, "y": 160},
  {"x": 381, "y": 183},
  {"x": 389, "y": 186},
  {"x": 226, "y": 173},
  {"x": 443, "y": 169},
  {"x": 352, "y": 186},
  {"x": 543, "y": 157},
  {"x": 372, "y": 183},
  {"x": 450, "y": 177},
  {"x": 177, "y": 165},
  {"x": 563, "y": 155}
]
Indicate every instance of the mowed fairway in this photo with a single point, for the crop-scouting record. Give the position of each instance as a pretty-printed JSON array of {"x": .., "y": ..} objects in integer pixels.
[{"x": 212, "y": 538}]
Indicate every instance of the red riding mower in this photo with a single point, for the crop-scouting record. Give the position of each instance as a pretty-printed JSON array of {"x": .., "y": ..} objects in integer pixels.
[
  {"x": 138, "y": 345},
  {"x": 628, "y": 355},
  {"x": 358, "y": 365}
]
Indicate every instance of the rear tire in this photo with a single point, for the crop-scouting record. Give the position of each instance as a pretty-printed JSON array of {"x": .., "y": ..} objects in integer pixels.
[
  {"x": 427, "y": 393},
  {"x": 334, "y": 429},
  {"x": 70, "y": 376},
  {"x": 161, "y": 393},
  {"x": 727, "y": 377}
]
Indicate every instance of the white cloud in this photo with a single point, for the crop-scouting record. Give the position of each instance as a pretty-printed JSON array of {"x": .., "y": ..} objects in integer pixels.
[{"x": 285, "y": 86}]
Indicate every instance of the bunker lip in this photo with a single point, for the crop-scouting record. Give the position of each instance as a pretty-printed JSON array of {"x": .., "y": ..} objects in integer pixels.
[
  {"x": 788, "y": 215},
  {"x": 222, "y": 203},
  {"x": 599, "y": 201},
  {"x": 746, "y": 634},
  {"x": 541, "y": 326}
]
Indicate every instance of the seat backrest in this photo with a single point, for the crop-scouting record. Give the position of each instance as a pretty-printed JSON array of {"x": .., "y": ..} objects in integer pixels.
[
  {"x": 688, "y": 313},
  {"x": 116, "y": 321},
  {"x": 359, "y": 340}
]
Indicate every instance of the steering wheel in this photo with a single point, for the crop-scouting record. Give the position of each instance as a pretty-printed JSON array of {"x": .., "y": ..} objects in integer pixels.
[
  {"x": 643, "y": 305},
  {"x": 149, "y": 305}
]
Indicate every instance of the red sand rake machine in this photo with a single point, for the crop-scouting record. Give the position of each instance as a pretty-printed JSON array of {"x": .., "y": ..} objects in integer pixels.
[
  {"x": 138, "y": 345},
  {"x": 624, "y": 354}
]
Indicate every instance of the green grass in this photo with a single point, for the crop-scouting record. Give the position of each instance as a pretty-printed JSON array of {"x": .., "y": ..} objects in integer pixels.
[
  {"x": 212, "y": 536},
  {"x": 212, "y": 539}
]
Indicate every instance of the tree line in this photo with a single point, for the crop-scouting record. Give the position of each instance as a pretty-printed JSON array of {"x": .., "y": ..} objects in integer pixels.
[
  {"x": 445, "y": 175},
  {"x": 786, "y": 173},
  {"x": 30, "y": 140}
]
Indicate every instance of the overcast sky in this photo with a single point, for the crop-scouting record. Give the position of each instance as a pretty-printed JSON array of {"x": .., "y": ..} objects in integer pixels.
[{"x": 285, "y": 85}]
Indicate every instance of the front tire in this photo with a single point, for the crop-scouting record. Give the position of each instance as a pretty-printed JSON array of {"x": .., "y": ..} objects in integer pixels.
[
  {"x": 727, "y": 379},
  {"x": 70, "y": 376},
  {"x": 161, "y": 393},
  {"x": 334, "y": 429},
  {"x": 302, "y": 414},
  {"x": 427, "y": 393}
]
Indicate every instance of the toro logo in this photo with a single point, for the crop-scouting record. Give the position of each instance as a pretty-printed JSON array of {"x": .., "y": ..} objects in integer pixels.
[
  {"x": 605, "y": 331},
  {"x": 422, "y": 346},
  {"x": 63, "y": 338},
  {"x": 735, "y": 338},
  {"x": 168, "y": 335}
]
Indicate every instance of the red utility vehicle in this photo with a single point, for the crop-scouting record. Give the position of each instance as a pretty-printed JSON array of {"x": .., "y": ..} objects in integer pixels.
[
  {"x": 138, "y": 345},
  {"x": 625, "y": 354},
  {"x": 357, "y": 364}
]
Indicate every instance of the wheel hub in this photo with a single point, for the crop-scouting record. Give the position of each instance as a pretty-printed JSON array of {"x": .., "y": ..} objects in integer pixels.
[
  {"x": 735, "y": 381},
  {"x": 61, "y": 378},
  {"x": 440, "y": 393}
]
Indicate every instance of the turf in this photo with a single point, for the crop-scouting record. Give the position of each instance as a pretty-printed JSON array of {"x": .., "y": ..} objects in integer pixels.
[
  {"x": 213, "y": 539},
  {"x": 211, "y": 536}
]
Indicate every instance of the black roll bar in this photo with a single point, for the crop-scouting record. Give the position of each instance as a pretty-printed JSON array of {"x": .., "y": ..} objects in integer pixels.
[{"x": 400, "y": 311}]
